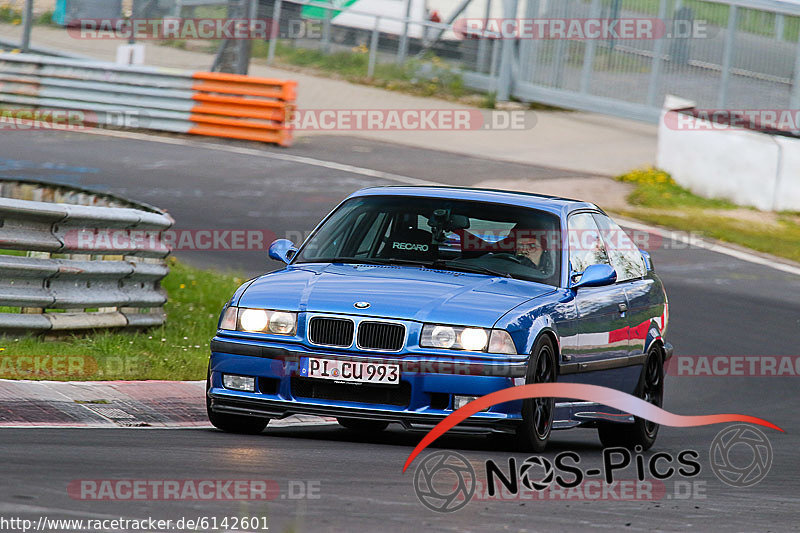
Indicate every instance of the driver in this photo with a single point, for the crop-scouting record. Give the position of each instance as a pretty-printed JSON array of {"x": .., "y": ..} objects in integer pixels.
[{"x": 529, "y": 251}]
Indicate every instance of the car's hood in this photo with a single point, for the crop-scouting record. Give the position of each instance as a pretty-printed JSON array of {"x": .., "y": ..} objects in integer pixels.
[{"x": 402, "y": 292}]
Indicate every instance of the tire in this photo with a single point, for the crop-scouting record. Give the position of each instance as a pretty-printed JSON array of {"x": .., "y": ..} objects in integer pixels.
[
  {"x": 651, "y": 389},
  {"x": 248, "y": 425},
  {"x": 537, "y": 413},
  {"x": 357, "y": 424}
]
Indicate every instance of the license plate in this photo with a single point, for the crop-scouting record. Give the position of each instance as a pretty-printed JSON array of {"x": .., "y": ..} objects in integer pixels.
[{"x": 354, "y": 371}]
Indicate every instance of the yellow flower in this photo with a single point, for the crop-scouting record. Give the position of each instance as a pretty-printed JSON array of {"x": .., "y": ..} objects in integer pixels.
[{"x": 182, "y": 286}]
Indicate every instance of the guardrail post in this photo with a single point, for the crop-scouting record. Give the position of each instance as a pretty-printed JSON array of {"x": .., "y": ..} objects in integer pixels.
[
  {"x": 794, "y": 101},
  {"x": 589, "y": 51},
  {"x": 326, "y": 31},
  {"x": 274, "y": 31},
  {"x": 373, "y": 48},
  {"x": 560, "y": 47},
  {"x": 658, "y": 53},
  {"x": 494, "y": 60},
  {"x": 527, "y": 49},
  {"x": 727, "y": 56},
  {"x": 481, "y": 59},
  {"x": 402, "y": 48},
  {"x": 504, "y": 78},
  {"x": 27, "y": 23},
  {"x": 245, "y": 45}
]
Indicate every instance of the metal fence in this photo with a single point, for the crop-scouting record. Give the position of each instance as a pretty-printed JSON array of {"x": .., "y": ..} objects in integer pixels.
[
  {"x": 746, "y": 56},
  {"x": 740, "y": 54},
  {"x": 56, "y": 274},
  {"x": 106, "y": 94},
  {"x": 743, "y": 58}
]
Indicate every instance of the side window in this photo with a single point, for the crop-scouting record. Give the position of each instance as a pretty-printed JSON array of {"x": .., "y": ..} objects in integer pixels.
[
  {"x": 585, "y": 244},
  {"x": 625, "y": 257}
]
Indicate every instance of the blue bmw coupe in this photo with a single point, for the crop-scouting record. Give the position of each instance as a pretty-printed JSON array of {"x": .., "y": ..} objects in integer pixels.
[{"x": 406, "y": 303}]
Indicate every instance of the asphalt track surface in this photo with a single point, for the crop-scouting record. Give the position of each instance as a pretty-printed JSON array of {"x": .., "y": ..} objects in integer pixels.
[{"x": 718, "y": 306}]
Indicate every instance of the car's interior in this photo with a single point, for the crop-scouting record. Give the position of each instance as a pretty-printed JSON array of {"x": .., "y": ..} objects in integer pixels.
[{"x": 441, "y": 233}]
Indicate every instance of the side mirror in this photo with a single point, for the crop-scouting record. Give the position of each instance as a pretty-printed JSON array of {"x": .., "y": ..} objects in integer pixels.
[
  {"x": 282, "y": 250},
  {"x": 596, "y": 276}
]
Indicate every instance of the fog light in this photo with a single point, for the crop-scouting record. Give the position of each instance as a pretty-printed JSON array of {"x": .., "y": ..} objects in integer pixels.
[
  {"x": 461, "y": 401},
  {"x": 243, "y": 383}
]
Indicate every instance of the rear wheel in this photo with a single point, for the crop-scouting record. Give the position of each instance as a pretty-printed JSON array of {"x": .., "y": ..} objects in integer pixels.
[
  {"x": 537, "y": 413},
  {"x": 651, "y": 389},
  {"x": 233, "y": 423},
  {"x": 357, "y": 424}
]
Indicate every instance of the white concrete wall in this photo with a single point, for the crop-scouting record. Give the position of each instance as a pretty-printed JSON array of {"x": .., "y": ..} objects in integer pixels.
[
  {"x": 788, "y": 193},
  {"x": 745, "y": 167}
]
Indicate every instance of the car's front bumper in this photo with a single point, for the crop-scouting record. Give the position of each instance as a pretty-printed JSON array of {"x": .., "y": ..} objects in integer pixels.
[{"x": 429, "y": 384}]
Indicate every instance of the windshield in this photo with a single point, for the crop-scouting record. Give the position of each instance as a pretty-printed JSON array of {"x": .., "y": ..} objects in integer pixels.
[{"x": 492, "y": 239}]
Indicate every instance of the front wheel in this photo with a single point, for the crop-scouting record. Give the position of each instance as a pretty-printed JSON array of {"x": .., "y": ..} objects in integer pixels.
[
  {"x": 650, "y": 389},
  {"x": 537, "y": 413}
]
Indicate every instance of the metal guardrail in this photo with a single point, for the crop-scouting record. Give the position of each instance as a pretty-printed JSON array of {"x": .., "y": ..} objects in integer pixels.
[
  {"x": 201, "y": 103},
  {"x": 66, "y": 282}
]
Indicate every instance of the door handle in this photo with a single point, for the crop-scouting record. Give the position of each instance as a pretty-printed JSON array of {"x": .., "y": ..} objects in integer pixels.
[{"x": 623, "y": 307}]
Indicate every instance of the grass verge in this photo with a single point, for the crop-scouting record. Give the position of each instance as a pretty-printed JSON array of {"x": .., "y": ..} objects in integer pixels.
[
  {"x": 13, "y": 15},
  {"x": 658, "y": 199},
  {"x": 177, "y": 350}
]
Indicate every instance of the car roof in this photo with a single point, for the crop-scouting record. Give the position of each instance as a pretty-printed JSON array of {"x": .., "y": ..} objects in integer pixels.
[{"x": 551, "y": 204}]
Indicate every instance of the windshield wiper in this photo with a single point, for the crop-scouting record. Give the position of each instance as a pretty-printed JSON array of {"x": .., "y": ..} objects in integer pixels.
[
  {"x": 476, "y": 269},
  {"x": 380, "y": 261},
  {"x": 473, "y": 268},
  {"x": 410, "y": 262}
]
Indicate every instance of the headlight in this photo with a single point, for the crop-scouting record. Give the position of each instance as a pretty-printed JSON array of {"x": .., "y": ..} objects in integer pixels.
[
  {"x": 259, "y": 321},
  {"x": 466, "y": 338},
  {"x": 441, "y": 337},
  {"x": 253, "y": 319},
  {"x": 474, "y": 339},
  {"x": 282, "y": 323}
]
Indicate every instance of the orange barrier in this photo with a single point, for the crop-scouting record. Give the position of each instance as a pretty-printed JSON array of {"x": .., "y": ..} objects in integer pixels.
[{"x": 243, "y": 107}]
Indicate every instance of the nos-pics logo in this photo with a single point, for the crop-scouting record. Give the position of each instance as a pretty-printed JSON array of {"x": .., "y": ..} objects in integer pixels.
[{"x": 445, "y": 481}]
